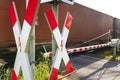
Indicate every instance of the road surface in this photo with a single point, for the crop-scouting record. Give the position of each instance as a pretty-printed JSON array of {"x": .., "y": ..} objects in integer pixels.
[{"x": 90, "y": 68}]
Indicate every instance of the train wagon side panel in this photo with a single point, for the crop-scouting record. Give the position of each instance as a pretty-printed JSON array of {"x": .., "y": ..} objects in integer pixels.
[{"x": 87, "y": 23}]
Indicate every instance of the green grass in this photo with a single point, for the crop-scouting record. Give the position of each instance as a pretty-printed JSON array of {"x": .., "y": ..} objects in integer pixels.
[
  {"x": 118, "y": 57},
  {"x": 109, "y": 55}
]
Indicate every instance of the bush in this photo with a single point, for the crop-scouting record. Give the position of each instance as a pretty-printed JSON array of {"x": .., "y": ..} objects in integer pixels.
[
  {"x": 42, "y": 69},
  {"x": 5, "y": 73}
]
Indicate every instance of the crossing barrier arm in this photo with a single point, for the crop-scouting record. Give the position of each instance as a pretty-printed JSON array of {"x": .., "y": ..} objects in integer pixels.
[{"x": 80, "y": 49}]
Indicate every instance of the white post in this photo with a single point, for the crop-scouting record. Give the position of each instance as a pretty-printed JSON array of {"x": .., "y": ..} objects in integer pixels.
[{"x": 115, "y": 46}]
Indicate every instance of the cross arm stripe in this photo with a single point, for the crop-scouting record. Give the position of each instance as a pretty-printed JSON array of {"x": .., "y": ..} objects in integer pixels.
[
  {"x": 66, "y": 27},
  {"x": 54, "y": 74},
  {"x": 51, "y": 19},
  {"x": 68, "y": 21},
  {"x": 31, "y": 11},
  {"x": 69, "y": 67},
  {"x": 12, "y": 14},
  {"x": 14, "y": 76}
]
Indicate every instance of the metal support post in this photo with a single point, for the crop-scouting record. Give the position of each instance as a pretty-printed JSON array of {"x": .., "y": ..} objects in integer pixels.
[
  {"x": 31, "y": 48},
  {"x": 114, "y": 51},
  {"x": 54, "y": 45},
  {"x": 115, "y": 46},
  {"x": 44, "y": 49}
]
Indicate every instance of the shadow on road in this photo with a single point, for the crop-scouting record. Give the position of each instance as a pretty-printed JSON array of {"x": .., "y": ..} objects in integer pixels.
[
  {"x": 101, "y": 71},
  {"x": 90, "y": 68}
]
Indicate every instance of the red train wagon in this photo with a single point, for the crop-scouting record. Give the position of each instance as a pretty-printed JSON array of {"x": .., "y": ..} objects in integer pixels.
[{"x": 87, "y": 23}]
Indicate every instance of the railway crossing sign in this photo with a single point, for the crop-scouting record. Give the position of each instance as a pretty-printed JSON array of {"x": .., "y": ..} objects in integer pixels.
[
  {"x": 71, "y": 2},
  {"x": 44, "y": 1},
  {"x": 61, "y": 40},
  {"x": 22, "y": 38}
]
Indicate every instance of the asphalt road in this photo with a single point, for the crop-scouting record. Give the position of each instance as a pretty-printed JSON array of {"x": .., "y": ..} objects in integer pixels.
[{"x": 90, "y": 68}]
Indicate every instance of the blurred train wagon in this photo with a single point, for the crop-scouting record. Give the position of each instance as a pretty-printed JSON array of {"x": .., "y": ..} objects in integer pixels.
[
  {"x": 87, "y": 23},
  {"x": 116, "y": 28}
]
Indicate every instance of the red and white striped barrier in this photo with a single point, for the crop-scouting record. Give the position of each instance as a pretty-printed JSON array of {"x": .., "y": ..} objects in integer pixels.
[
  {"x": 61, "y": 42},
  {"x": 80, "y": 49},
  {"x": 88, "y": 48},
  {"x": 22, "y": 38}
]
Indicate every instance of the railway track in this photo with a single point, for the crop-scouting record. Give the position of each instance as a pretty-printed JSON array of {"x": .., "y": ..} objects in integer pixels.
[{"x": 8, "y": 55}]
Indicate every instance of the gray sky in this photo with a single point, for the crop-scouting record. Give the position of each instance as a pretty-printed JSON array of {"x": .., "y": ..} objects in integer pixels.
[{"x": 110, "y": 7}]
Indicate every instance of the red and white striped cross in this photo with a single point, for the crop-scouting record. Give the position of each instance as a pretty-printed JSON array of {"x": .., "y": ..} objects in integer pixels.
[
  {"x": 61, "y": 42},
  {"x": 22, "y": 38}
]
